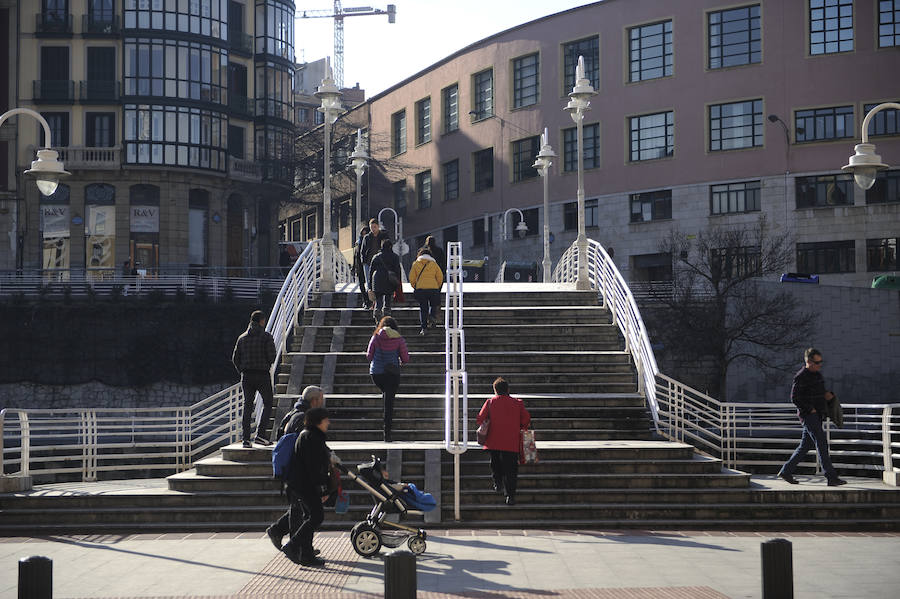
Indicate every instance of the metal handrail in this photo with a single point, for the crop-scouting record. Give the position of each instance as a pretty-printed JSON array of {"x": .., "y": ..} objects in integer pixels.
[{"x": 456, "y": 381}]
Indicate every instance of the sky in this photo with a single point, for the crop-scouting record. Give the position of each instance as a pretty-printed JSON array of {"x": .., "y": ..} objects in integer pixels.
[{"x": 378, "y": 54}]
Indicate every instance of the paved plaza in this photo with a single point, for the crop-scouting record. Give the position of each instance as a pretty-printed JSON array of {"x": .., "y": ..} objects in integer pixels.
[{"x": 466, "y": 563}]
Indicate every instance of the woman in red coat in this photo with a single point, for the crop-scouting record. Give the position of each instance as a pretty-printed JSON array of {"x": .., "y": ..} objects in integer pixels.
[{"x": 508, "y": 418}]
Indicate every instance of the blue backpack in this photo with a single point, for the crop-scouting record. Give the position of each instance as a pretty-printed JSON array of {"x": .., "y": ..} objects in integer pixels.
[{"x": 282, "y": 456}]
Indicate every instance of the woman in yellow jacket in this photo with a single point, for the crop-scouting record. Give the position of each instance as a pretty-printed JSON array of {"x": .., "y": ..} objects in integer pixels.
[{"x": 426, "y": 278}]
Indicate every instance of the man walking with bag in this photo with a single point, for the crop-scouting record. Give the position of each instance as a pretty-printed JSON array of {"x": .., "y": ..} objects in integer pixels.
[{"x": 253, "y": 356}]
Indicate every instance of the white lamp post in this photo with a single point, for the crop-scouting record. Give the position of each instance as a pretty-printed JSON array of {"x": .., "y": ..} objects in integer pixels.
[
  {"x": 579, "y": 102},
  {"x": 359, "y": 159},
  {"x": 330, "y": 96},
  {"x": 47, "y": 169},
  {"x": 542, "y": 163},
  {"x": 521, "y": 229},
  {"x": 865, "y": 163}
]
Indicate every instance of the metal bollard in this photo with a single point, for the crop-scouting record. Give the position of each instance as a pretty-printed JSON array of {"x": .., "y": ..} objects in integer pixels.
[
  {"x": 35, "y": 577},
  {"x": 400, "y": 575},
  {"x": 777, "y": 569}
]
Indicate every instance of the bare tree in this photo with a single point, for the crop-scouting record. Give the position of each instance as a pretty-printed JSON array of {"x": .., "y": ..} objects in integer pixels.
[{"x": 720, "y": 309}]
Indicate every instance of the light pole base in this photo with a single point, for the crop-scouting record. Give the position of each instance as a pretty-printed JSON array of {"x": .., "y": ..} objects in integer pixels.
[
  {"x": 326, "y": 283},
  {"x": 582, "y": 285}
]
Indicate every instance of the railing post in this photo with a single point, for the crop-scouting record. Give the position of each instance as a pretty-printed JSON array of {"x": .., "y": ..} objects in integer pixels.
[
  {"x": 89, "y": 445},
  {"x": 25, "y": 442},
  {"x": 891, "y": 475}
]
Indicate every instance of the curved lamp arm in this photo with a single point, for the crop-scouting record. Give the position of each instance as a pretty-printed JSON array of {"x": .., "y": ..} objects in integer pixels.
[
  {"x": 871, "y": 113},
  {"x": 34, "y": 114}
]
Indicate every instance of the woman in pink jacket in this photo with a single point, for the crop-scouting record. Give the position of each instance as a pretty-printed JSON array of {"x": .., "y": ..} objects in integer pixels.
[
  {"x": 386, "y": 352},
  {"x": 508, "y": 418}
]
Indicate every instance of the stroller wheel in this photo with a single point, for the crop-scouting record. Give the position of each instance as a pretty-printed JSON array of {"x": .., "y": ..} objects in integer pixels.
[
  {"x": 366, "y": 541},
  {"x": 416, "y": 544}
]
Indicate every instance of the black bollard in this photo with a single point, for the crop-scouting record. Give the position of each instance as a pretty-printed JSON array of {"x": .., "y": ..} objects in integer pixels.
[
  {"x": 400, "y": 575},
  {"x": 35, "y": 577},
  {"x": 777, "y": 570}
]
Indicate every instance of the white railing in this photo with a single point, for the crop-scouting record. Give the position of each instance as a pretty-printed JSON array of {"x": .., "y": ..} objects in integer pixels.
[
  {"x": 88, "y": 441},
  {"x": 456, "y": 382}
]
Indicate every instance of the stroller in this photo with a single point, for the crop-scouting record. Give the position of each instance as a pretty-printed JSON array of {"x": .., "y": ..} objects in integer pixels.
[{"x": 368, "y": 536}]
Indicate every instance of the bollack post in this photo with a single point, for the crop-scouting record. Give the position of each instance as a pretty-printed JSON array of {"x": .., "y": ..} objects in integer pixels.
[
  {"x": 777, "y": 569},
  {"x": 35, "y": 577},
  {"x": 400, "y": 575}
]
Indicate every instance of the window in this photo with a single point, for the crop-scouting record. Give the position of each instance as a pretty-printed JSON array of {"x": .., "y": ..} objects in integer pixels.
[
  {"x": 275, "y": 28},
  {"x": 830, "y": 26},
  {"x": 59, "y": 129},
  {"x": 735, "y": 37},
  {"x": 310, "y": 226},
  {"x": 588, "y": 47},
  {"x": 198, "y": 226},
  {"x": 450, "y": 176},
  {"x": 734, "y": 262},
  {"x": 825, "y": 190},
  {"x": 736, "y": 125},
  {"x": 651, "y": 267},
  {"x": 591, "y": 215},
  {"x": 652, "y": 136},
  {"x": 144, "y": 226},
  {"x": 100, "y": 130},
  {"x": 886, "y": 188},
  {"x": 423, "y": 189},
  {"x": 423, "y": 121},
  {"x": 483, "y": 169},
  {"x": 651, "y": 205},
  {"x": 532, "y": 216},
  {"x": 449, "y": 235},
  {"x": 236, "y": 144},
  {"x": 734, "y": 197},
  {"x": 591, "y": 147},
  {"x": 180, "y": 69},
  {"x": 101, "y": 84},
  {"x": 826, "y": 257},
  {"x": 54, "y": 83},
  {"x": 483, "y": 94},
  {"x": 100, "y": 226},
  {"x": 274, "y": 90},
  {"x": 176, "y": 136},
  {"x": 524, "y": 152},
  {"x": 651, "y": 51},
  {"x": 54, "y": 226},
  {"x": 398, "y": 132},
  {"x": 881, "y": 254},
  {"x": 204, "y": 17},
  {"x": 450, "y": 97},
  {"x": 478, "y": 226},
  {"x": 885, "y": 122},
  {"x": 400, "y": 197},
  {"x": 345, "y": 210},
  {"x": 888, "y": 23},
  {"x": 824, "y": 123},
  {"x": 526, "y": 81}
]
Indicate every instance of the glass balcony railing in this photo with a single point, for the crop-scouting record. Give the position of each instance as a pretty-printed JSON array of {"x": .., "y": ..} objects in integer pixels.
[
  {"x": 53, "y": 22},
  {"x": 241, "y": 42},
  {"x": 99, "y": 91},
  {"x": 101, "y": 24}
]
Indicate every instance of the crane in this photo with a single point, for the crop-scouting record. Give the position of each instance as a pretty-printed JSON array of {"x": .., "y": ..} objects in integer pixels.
[{"x": 338, "y": 15}]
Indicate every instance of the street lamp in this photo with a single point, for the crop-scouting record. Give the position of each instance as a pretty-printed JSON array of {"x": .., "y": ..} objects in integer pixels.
[
  {"x": 542, "y": 163},
  {"x": 402, "y": 248},
  {"x": 865, "y": 163},
  {"x": 359, "y": 159},
  {"x": 579, "y": 102},
  {"x": 330, "y": 96},
  {"x": 47, "y": 169},
  {"x": 521, "y": 229}
]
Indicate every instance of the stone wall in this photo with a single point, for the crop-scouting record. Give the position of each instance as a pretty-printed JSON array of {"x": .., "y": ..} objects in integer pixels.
[{"x": 99, "y": 395}]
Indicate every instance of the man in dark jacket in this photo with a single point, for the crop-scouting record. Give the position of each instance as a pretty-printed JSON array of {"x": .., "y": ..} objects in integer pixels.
[
  {"x": 384, "y": 264},
  {"x": 307, "y": 483},
  {"x": 253, "y": 356},
  {"x": 371, "y": 245},
  {"x": 809, "y": 395},
  {"x": 358, "y": 266}
]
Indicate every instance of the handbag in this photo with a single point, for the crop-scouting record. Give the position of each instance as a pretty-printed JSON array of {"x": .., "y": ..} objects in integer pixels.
[
  {"x": 342, "y": 503},
  {"x": 481, "y": 434},
  {"x": 529, "y": 448}
]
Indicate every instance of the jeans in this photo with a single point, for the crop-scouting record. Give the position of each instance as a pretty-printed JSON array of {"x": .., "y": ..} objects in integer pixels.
[
  {"x": 505, "y": 470},
  {"x": 388, "y": 383},
  {"x": 251, "y": 382},
  {"x": 383, "y": 304},
  {"x": 429, "y": 304},
  {"x": 813, "y": 437},
  {"x": 361, "y": 279},
  {"x": 307, "y": 510}
]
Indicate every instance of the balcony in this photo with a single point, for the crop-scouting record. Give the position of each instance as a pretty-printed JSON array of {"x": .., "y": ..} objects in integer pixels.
[
  {"x": 240, "y": 105},
  {"x": 49, "y": 91},
  {"x": 244, "y": 170},
  {"x": 100, "y": 25},
  {"x": 241, "y": 43},
  {"x": 53, "y": 23},
  {"x": 100, "y": 92},
  {"x": 81, "y": 158}
]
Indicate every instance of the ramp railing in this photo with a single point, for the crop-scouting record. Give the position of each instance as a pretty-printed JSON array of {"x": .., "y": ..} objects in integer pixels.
[{"x": 456, "y": 382}]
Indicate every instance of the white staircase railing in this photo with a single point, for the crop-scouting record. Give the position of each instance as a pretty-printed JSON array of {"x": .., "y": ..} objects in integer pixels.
[
  {"x": 88, "y": 441},
  {"x": 456, "y": 382}
]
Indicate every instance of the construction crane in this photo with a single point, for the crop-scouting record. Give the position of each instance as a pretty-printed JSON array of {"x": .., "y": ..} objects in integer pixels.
[{"x": 338, "y": 15}]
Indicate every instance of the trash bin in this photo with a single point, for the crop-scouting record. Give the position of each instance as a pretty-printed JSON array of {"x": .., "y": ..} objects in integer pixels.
[
  {"x": 473, "y": 271},
  {"x": 520, "y": 272},
  {"x": 886, "y": 282}
]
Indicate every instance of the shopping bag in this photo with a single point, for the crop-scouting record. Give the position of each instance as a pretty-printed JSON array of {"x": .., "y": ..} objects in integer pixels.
[
  {"x": 529, "y": 448},
  {"x": 342, "y": 504}
]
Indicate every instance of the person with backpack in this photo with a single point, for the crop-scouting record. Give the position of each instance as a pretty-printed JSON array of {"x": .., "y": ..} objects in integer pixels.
[
  {"x": 308, "y": 481},
  {"x": 426, "y": 278},
  {"x": 384, "y": 279},
  {"x": 386, "y": 351},
  {"x": 292, "y": 424}
]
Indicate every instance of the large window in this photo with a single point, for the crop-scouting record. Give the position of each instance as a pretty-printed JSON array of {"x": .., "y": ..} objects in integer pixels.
[
  {"x": 275, "y": 91},
  {"x": 54, "y": 225},
  {"x": 450, "y": 99},
  {"x": 736, "y": 125},
  {"x": 651, "y": 205},
  {"x": 823, "y": 123},
  {"x": 886, "y": 188},
  {"x": 59, "y": 129},
  {"x": 423, "y": 189},
  {"x": 826, "y": 257},
  {"x": 591, "y": 214},
  {"x": 885, "y": 122},
  {"x": 524, "y": 152},
  {"x": 830, "y": 26},
  {"x": 275, "y": 28},
  {"x": 423, "y": 121},
  {"x": 398, "y": 132},
  {"x": 888, "y": 23},
  {"x": 274, "y": 149},
  {"x": 734, "y": 197},
  {"x": 100, "y": 226},
  {"x": 652, "y": 136},
  {"x": 176, "y": 69},
  {"x": 526, "y": 81},
  {"x": 735, "y": 37},
  {"x": 100, "y": 129},
  {"x": 650, "y": 49},
  {"x": 483, "y": 169},
  {"x": 483, "y": 94},
  {"x": 881, "y": 254},
  {"x": 734, "y": 262},
  {"x": 824, "y": 190},
  {"x": 478, "y": 226},
  {"x": 591, "y": 147},
  {"x": 198, "y": 17},
  {"x": 175, "y": 136},
  {"x": 588, "y": 47},
  {"x": 144, "y": 226},
  {"x": 450, "y": 176},
  {"x": 399, "y": 190}
]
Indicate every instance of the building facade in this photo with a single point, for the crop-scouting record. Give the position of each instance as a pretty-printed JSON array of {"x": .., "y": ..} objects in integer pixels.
[
  {"x": 706, "y": 114},
  {"x": 176, "y": 121}
]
